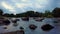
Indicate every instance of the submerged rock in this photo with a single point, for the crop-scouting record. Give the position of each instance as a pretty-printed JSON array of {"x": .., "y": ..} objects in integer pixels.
[
  {"x": 5, "y": 27},
  {"x": 55, "y": 21},
  {"x": 47, "y": 27},
  {"x": 21, "y": 28},
  {"x": 25, "y": 18},
  {"x": 32, "y": 27}
]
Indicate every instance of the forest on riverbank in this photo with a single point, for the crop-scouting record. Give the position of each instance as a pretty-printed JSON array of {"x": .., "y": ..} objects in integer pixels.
[{"x": 54, "y": 13}]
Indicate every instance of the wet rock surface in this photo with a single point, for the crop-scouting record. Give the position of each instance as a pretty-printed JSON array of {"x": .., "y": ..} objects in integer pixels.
[
  {"x": 15, "y": 24},
  {"x": 14, "y": 21},
  {"x": 6, "y": 22},
  {"x": 38, "y": 19},
  {"x": 22, "y": 32},
  {"x": 32, "y": 27},
  {"x": 47, "y": 27},
  {"x": 25, "y": 18},
  {"x": 15, "y": 32}
]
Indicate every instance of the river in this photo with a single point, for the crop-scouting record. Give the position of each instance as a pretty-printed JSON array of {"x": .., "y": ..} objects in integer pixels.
[{"x": 25, "y": 25}]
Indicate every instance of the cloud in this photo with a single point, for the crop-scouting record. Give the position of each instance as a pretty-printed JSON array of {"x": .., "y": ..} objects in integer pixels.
[
  {"x": 42, "y": 1},
  {"x": 24, "y": 0},
  {"x": 38, "y": 6},
  {"x": 8, "y": 7},
  {"x": 16, "y": 6},
  {"x": 22, "y": 5},
  {"x": 5, "y": 5}
]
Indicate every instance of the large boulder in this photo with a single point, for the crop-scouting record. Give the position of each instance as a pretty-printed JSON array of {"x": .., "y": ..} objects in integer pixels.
[
  {"x": 47, "y": 27},
  {"x": 6, "y": 22},
  {"x": 32, "y": 27}
]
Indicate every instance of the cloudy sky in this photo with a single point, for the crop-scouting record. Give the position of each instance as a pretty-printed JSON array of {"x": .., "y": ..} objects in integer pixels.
[{"x": 19, "y": 6}]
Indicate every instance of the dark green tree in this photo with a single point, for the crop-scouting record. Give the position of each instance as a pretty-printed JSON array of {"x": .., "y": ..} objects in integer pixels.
[
  {"x": 48, "y": 14},
  {"x": 30, "y": 13},
  {"x": 1, "y": 11},
  {"x": 56, "y": 12}
]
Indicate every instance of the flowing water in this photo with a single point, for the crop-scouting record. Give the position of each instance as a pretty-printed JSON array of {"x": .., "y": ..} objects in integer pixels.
[{"x": 25, "y": 25}]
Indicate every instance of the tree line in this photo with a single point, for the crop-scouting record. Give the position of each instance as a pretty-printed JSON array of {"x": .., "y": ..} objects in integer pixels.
[{"x": 54, "y": 13}]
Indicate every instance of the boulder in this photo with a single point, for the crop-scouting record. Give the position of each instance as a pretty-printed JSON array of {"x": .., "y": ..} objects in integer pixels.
[
  {"x": 47, "y": 27},
  {"x": 25, "y": 19},
  {"x": 22, "y": 32},
  {"x": 32, "y": 27},
  {"x": 6, "y": 22},
  {"x": 39, "y": 19}
]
